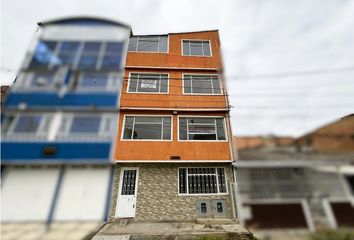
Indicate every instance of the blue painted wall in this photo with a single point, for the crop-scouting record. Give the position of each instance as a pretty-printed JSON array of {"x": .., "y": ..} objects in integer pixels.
[
  {"x": 66, "y": 152},
  {"x": 70, "y": 99}
]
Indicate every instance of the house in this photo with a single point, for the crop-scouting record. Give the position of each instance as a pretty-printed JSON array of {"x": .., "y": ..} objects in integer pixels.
[
  {"x": 302, "y": 183},
  {"x": 59, "y": 121},
  {"x": 174, "y": 142}
]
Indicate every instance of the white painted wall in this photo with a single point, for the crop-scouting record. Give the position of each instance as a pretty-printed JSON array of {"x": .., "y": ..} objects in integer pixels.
[
  {"x": 27, "y": 194},
  {"x": 83, "y": 194}
]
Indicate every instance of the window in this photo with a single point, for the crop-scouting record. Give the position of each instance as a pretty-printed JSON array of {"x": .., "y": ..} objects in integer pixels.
[
  {"x": 148, "y": 44},
  {"x": 98, "y": 81},
  {"x": 26, "y": 125},
  {"x": 196, "y": 48},
  {"x": 201, "y": 128},
  {"x": 201, "y": 84},
  {"x": 202, "y": 181},
  {"x": 148, "y": 83},
  {"x": 147, "y": 127},
  {"x": 44, "y": 54},
  {"x": 38, "y": 81},
  {"x": 86, "y": 127},
  {"x": 78, "y": 55}
]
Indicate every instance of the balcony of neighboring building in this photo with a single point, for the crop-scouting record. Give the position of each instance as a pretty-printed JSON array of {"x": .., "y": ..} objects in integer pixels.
[
  {"x": 166, "y": 137},
  {"x": 175, "y": 50}
]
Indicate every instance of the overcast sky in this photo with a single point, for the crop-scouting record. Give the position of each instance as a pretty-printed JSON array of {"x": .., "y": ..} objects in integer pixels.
[{"x": 289, "y": 64}]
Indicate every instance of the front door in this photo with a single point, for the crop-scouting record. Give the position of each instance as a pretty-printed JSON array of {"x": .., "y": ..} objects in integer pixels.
[{"x": 126, "y": 202}]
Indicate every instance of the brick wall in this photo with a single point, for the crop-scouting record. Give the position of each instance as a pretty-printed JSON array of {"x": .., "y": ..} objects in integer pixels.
[{"x": 157, "y": 192}]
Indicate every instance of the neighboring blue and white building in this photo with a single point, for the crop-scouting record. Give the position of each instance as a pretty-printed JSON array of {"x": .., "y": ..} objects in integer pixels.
[{"x": 59, "y": 122}]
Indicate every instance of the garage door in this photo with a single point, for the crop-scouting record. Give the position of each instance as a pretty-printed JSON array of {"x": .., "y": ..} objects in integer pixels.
[
  {"x": 343, "y": 213},
  {"x": 27, "y": 194},
  {"x": 83, "y": 194},
  {"x": 271, "y": 216}
]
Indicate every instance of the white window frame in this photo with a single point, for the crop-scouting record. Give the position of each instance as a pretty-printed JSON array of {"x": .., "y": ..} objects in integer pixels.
[
  {"x": 202, "y": 194},
  {"x": 158, "y": 46},
  {"x": 193, "y": 116},
  {"x": 65, "y": 134},
  {"x": 206, "y": 94},
  {"x": 111, "y": 86},
  {"x": 147, "y": 73},
  {"x": 196, "y": 40},
  {"x": 146, "y": 140},
  {"x": 40, "y": 133}
]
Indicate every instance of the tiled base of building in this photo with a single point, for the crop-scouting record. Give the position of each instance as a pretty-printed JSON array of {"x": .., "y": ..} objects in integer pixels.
[{"x": 157, "y": 192}]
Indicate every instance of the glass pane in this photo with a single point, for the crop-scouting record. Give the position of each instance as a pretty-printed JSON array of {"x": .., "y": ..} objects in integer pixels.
[
  {"x": 114, "y": 48},
  {"x": 206, "y": 49},
  {"x": 133, "y": 83},
  {"x": 202, "y": 136},
  {"x": 201, "y": 128},
  {"x": 43, "y": 54},
  {"x": 196, "y": 48},
  {"x": 91, "y": 47},
  {"x": 95, "y": 80},
  {"x": 147, "y": 131},
  {"x": 202, "y": 84},
  {"x": 27, "y": 124},
  {"x": 163, "y": 44},
  {"x": 85, "y": 125},
  {"x": 187, "y": 85},
  {"x": 167, "y": 128},
  {"x": 132, "y": 44},
  {"x": 186, "y": 48},
  {"x": 220, "y": 129},
  {"x": 128, "y": 128},
  {"x": 216, "y": 85},
  {"x": 148, "y": 85},
  {"x": 182, "y": 128},
  {"x": 222, "y": 182},
  {"x": 64, "y": 59},
  {"x": 164, "y": 84},
  {"x": 41, "y": 80},
  {"x": 88, "y": 61},
  {"x": 148, "y": 44},
  {"x": 69, "y": 46},
  {"x": 201, "y": 120},
  {"x": 148, "y": 120},
  {"x": 111, "y": 62}
]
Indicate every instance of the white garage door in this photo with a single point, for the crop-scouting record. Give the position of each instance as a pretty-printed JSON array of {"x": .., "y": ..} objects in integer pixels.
[
  {"x": 83, "y": 194},
  {"x": 27, "y": 194}
]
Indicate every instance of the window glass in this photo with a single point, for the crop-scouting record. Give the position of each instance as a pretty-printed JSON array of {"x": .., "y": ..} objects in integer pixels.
[
  {"x": 149, "y": 128},
  {"x": 89, "y": 55},
  {"x": 148, "y": 44},
  {"x": 196, "y": 48},
  {"x": 93, "y": 81},
  {"x": 201, "y": 129},
  {"x": 201, "y": 84},
  {"x": 148, "y": 83},
  {"x": 27, "y": 124},
  {"x": 202, "y": 181},
  {"x": 67, "y": 53},
  {"x": 85, "y": 125},
  {"x": 111, "y": 62},
  {"x": 43, "y": 54}
]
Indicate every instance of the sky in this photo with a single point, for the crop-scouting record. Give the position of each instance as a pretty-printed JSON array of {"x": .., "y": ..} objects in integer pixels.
[{"x": 289, "y": 65}]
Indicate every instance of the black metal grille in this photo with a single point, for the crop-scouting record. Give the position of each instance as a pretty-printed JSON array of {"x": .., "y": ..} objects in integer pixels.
[{"x": 128, "y": 184}]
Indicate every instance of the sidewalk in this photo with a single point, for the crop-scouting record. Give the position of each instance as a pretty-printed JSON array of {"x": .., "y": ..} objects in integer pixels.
[
  {"x": 173, "y": 230},
  {"x": 57, "y": 231}
]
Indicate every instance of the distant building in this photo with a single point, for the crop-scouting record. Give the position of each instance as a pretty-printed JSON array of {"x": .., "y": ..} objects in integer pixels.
[
  {"x": 174, "y": 143},
  {"x": 59, "y": 122},
  {"x": 307, "y": 182}
]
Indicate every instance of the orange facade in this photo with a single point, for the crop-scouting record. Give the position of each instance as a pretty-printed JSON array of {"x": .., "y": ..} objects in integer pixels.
[{"x": 174, "y": 102}]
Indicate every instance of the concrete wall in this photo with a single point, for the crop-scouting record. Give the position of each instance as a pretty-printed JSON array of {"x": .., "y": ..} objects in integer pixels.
[{"x": 157, "y": 192}]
